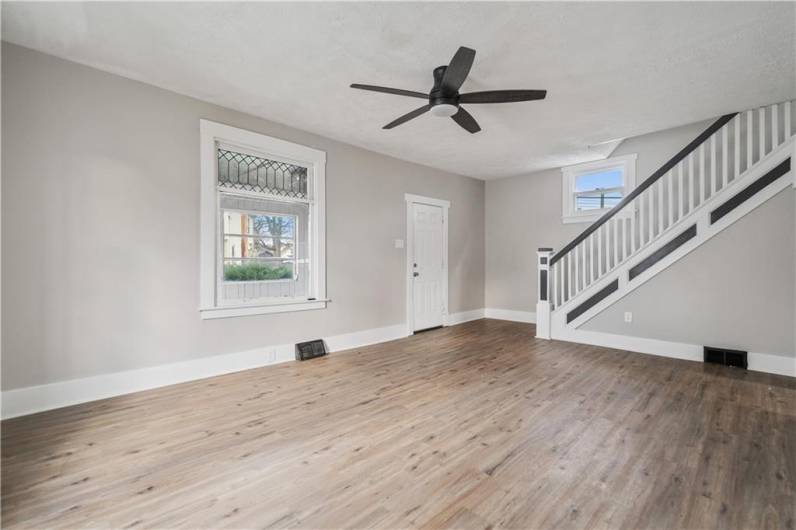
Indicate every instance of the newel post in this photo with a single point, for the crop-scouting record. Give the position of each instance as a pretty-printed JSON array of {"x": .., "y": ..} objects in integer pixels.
[{"x": 543, "y": 256}]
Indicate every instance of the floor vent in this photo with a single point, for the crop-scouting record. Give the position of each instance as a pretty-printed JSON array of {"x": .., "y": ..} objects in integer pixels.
[
  {"x": 726, "y": 357},
  {"x": 310, "y": 350}
]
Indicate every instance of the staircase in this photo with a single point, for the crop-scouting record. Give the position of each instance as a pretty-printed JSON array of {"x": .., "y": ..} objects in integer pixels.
[{"x": 739, "y": 162}]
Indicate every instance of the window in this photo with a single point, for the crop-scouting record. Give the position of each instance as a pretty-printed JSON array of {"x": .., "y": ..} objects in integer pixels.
[
  {"x": 262, "y": 240},
  {"x": 259, "y": 246},
  {"x": 593, "y": 188}
]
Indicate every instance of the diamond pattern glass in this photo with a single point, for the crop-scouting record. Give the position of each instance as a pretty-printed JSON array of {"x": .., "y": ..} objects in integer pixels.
[{"x": 241, "y": 171}]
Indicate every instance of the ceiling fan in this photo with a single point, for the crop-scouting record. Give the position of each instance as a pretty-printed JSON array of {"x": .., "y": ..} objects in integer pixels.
[{"x": 444, "y": 99}]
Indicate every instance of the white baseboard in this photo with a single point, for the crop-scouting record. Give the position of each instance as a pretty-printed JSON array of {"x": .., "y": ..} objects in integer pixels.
[
  {"x": 758, "y": 362},
  {"x": 358, "y": 339},
  {"x": 510, "y": 314},
  {"x": 772, "y": 364},
  {"x": 23, "y": 401},
  {"x": 28, "y": 400},
  {"x": 464, "y": 316}
]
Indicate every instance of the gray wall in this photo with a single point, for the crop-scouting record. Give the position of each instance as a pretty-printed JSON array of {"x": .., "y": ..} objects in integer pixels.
[
  {"x": 100, "y": 228},
  {"x": 735, "y": 291}
]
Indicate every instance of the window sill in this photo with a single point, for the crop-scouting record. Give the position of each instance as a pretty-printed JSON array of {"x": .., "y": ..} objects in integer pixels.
[
  {"x": 626, "y": 213},
  {"x": 252, "y": 282},
  {"x": 582, "y": 218},
  {"x": 262, "y": 309}
]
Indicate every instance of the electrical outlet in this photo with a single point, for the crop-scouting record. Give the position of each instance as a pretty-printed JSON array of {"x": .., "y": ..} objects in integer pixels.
[
  {"x": 628, "y": 317},
  {"x": 270, "y": 356}
]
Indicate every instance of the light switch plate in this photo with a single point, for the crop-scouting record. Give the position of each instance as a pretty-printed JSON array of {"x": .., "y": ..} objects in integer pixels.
[
  {"x": 399, "y": 243},
  {"x": 628, "y": 316}
]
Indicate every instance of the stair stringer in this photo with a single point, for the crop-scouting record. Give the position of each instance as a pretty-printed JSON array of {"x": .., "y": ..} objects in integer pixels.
[{"x": 561, "y": 330}]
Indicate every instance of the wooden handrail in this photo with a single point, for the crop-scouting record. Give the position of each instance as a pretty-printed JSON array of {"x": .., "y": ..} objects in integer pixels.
[{"x": 707, "y": 133}]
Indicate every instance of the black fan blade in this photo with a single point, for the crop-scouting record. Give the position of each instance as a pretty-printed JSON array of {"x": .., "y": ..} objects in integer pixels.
[
  {"x": 458, "y": 69},
  {"x": 387, "y": 90},
  {"x": 502, "y": 96},
  {"x": 466, "y": 120},
  {"x": 406, "y": 117}
]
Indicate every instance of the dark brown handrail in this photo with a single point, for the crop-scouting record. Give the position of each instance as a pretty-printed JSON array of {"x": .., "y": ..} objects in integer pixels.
[{"x": 707, "y": 133}]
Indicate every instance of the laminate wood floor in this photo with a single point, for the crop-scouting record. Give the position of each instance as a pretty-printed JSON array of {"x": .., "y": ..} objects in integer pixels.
[{"x": 479, "y": 425}]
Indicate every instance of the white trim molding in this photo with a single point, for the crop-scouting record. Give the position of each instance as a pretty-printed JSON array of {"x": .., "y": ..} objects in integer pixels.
[
  {"x": 570, "y": 173},
  {"x": 758, "y": 362},
  {"x": 211, "y": 135},
  {"x": 528, "y": 317},
  {"x": 464, "y": 316},
  {"x": 411, "y": 199},
  {"x": 32, "y": 399},
  {"x": 442, "y": 203}
]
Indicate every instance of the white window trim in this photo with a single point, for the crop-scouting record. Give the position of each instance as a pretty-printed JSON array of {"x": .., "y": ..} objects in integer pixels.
[
  {"x": 212, "y": 133},
  {"x": 570, "y": 173}
]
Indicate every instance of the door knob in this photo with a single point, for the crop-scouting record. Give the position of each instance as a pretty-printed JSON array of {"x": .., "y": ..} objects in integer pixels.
[{"x": 415, "y": 274}]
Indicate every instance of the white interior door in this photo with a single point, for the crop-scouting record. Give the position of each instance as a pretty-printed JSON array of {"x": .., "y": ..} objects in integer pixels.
[{"x": 427, "y": 266}]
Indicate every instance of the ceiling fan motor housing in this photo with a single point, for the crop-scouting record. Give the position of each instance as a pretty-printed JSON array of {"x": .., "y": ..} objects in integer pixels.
[{"x": 437, "y": 96}]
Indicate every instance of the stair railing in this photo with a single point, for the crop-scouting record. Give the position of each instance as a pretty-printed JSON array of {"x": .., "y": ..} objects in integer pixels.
[{"x": 720, "y": 154}]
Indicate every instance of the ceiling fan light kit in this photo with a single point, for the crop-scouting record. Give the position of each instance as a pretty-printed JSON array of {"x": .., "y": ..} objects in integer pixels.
[
  {"x": 444, "y": 110},
  {"x": 444, "y": 99}
]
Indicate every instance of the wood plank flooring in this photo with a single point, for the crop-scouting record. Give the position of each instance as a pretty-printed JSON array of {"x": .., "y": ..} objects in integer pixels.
[{"x": 474, "y": 426}]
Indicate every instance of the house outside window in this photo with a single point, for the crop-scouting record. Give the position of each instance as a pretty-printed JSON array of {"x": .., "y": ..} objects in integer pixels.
[
  {"x": 262, "y": 219},
  {"x": 590, "y": 190}
]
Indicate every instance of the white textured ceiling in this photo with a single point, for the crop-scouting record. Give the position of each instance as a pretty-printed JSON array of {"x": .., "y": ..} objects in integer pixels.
[{"x": 611, "y": 70}]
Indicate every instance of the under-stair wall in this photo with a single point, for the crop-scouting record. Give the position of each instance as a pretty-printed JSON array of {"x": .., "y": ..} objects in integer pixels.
[{"x": 718, "y": 306}]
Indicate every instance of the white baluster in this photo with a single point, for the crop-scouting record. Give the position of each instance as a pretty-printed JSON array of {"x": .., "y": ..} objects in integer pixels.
[
  {"x": 634, "y": 225},
  {"x": 788, "y": 131},
  {"x": 712, "y": 187},
  {"x": 774, "y": 126},
  {"x": 680, "y": 191},
  {"x": 651, "y": 220},
  {"x": 691, "y": 194},
  {"x": 610, "y": 243},
  {"x": 761, "y": 113},
  {"x": 670, "y": 178},
  {"x": 584, "y": 267},
  {"x": 641, "y": 214},
  {"x": 701, "y": 174},
  {"x": 599, "y": 251},
  {"x": 569, "y": 275},
  {"x": 577, "y": 268},
  {"x": 660, "y": 204},
  {"x": 626, "y": 224},
  {"x": 616, "y": 241},
  {"x": 557, "y": 286},
  {"x": 725, "y": 156},
  {"x": 737, "y": 146},
  {"x": 750, "y": 122}
]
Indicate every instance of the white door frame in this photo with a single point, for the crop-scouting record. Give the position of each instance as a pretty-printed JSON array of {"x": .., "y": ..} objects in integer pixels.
[{"x": 445, "y": 205}]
